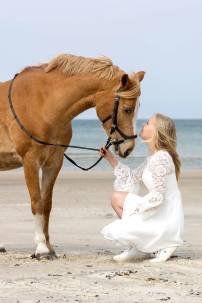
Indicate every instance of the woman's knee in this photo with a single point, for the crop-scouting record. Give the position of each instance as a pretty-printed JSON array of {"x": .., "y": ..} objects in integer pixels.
[
  {"x": 114, "y": 199},
  {"x": 117, "y": 199}
]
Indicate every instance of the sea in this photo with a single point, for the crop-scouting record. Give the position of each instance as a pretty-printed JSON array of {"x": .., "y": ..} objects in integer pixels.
[{"x": 90, "y": 133}]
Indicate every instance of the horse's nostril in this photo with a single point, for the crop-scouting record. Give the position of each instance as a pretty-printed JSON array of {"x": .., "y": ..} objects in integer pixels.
[{"x": 127, "y": 152}]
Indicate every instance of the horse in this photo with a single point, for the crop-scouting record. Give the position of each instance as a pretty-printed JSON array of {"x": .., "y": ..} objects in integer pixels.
[{"x": 46, "y": 98}]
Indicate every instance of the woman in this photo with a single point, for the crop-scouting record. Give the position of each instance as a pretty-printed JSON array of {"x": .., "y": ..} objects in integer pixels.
[{"x": 152, "y": 224}]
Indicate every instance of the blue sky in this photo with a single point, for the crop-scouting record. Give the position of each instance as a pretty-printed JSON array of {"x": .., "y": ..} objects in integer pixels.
[{"x": 163, "y": 38}]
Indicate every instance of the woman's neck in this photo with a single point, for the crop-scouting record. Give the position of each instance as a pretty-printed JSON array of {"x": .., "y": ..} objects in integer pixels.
[{"x": 152, "y": 148}]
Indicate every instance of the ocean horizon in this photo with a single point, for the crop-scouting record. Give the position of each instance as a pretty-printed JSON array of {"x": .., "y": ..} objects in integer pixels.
[{"x": 89, "y": 133}]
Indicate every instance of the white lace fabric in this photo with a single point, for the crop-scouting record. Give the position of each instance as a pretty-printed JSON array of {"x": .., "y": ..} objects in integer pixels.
[
  {"x": 127, "y": 178},
  {"x": 153, "y": 221},
  {"x": 160, "y": 165}
]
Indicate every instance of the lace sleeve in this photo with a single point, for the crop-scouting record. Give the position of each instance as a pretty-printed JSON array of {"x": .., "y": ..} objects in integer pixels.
[
  {"x": 127, "y": 179},
  {"x": 161, "y": 166}
]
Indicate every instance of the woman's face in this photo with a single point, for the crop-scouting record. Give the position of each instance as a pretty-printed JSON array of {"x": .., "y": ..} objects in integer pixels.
[{"x": 148, "y": 129}]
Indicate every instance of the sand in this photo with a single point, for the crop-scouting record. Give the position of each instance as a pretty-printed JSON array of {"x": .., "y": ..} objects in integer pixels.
[{"x": 84, "y": 270}]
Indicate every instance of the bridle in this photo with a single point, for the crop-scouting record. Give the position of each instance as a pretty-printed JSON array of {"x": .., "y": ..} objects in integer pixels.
[
  {"x": 114, "y": 126},
  {"x": 108, "y": 143}
]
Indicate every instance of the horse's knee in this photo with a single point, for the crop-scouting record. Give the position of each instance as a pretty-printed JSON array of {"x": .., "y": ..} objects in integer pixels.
[{"x": 37, "y": 207}]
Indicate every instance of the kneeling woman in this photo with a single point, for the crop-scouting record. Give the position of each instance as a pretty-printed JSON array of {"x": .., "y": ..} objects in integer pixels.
[{"x": 150, "y": 225}]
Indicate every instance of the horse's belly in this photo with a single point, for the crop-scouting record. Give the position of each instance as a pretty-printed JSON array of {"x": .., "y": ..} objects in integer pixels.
[{"x": 9, "y": 159}]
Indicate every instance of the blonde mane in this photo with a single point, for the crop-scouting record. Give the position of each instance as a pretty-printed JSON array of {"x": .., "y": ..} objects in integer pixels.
[
  {"x": 102, "y": 67},
  {"x": 71, "y": 65}
]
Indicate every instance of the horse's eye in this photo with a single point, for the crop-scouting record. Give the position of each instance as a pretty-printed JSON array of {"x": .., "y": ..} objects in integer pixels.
[{"x": 128, "y": 110}]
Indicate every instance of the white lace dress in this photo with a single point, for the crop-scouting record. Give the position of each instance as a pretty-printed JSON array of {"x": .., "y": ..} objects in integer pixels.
[{"x": 156, "y": 220}]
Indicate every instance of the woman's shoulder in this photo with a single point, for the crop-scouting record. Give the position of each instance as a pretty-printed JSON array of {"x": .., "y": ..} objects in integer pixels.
[
  {"x": 161, "y": 154},
  {"x": 162, "y": 158}
]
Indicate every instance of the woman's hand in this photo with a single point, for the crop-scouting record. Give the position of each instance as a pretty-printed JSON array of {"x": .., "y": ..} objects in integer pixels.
[{"x": 105, "y": 153}]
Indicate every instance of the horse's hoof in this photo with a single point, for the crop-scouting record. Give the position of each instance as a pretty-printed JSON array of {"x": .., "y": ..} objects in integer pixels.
[
  {"x": 47, "y": 256},
  {"x": 2, "y": 249}
]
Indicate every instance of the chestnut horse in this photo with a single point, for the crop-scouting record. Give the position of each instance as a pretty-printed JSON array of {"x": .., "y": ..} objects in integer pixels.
[{"x": 46, "y": 98}]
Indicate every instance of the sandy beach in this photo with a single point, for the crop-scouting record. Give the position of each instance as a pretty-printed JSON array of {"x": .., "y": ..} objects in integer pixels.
[{"x": 84, "y": 270}]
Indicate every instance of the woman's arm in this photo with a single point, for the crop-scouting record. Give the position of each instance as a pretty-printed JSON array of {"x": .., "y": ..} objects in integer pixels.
[
  {"x": 105, "y": 153},
  {"x": 161, "y": 166},
  {"x": 126, "y": 178}
]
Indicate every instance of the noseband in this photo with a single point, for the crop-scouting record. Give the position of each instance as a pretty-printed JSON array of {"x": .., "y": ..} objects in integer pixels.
[{"x": 109, "y": 142}]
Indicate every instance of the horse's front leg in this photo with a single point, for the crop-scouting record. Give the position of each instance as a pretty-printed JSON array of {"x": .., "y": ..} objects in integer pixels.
[
  {"x": 31, "y": 171},
  {"x": 49, "y": 175}
]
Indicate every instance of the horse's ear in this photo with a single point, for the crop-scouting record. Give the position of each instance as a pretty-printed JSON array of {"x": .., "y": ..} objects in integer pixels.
[
  {"x": 140, "y": 75},
  {"x": 125, "y": 81}
]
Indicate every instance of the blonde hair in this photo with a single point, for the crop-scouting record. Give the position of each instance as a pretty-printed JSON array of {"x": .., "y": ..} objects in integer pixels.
[{"x": 165, "y": 138}]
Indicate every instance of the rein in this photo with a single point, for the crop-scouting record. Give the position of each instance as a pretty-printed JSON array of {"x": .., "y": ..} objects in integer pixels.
[{"x": 108, "y": 143}]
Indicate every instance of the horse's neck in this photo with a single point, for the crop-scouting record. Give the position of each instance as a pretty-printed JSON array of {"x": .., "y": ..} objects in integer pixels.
[{"x": 74, "y": 95}]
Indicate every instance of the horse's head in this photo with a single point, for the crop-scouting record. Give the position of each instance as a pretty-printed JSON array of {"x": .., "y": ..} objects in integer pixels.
[{"x": 122, "y": 116}]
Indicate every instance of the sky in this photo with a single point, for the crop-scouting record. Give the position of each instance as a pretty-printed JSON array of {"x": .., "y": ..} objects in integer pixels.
[{"x": 163, "y": 38}]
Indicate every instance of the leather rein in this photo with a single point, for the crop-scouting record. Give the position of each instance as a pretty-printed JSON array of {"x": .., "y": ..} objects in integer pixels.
[{"x": 108, "y": 143}]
